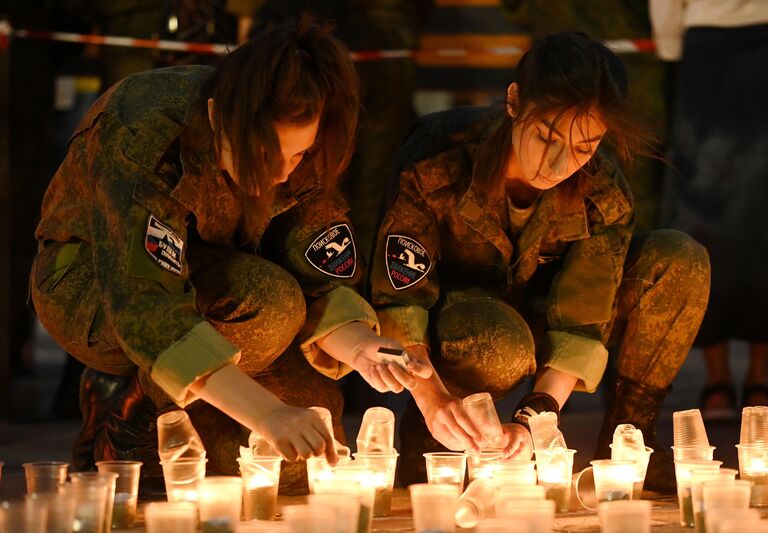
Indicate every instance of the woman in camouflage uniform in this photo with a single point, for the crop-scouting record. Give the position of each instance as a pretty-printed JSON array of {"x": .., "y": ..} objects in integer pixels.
[
  {"x": 507, "y": 250},
  {"x": 193, "y": 244}
]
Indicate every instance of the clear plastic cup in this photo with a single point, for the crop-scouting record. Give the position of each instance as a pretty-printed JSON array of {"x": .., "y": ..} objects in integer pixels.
[
  {"x": 352, "y": 479},
  {"x": 693, "y": 453},
  {"x": 20, "y": 517},
  {"x": 382, "y": 469},
  {"x": 261, "y": 478},
  {"x": 476, "y": 503},
  {"x": 170, "y": 517},
  {"x": 325, "y": 416},
  {"x": 126, "y": 491},
  {"x": 517, "y": 495},
  {"x": 544, "y": 431},
  {"x": 733, "y": 494},
  {"x": 482, "y": 411},
  {"x": 347, "y": 510},
  {"x": 182, "y": 478},
  {"x": 493, "y": 525},
  {"x": 310, "y": 518},
  {"x": 220, "y": 503},
  {"x": 537, "y": 515},
  {"x": 625, "y": 516},
  {"x": 688, "y": 428},
  {"x": 318, "y": 468},
  {"x": 482, "y": 465},
  {"x": 377, "y": 431},
  {"x": 613, "y": 480},
  {"x": 515, "y": 473},
  {"x": 60, "y": 507},
  {"x": 733, "y": 525},
  {"x": 434, "y": 507},
  {"x": 754, "y": 425},
  {"x": 683, "y": 471},
  {"x": 555, "y": 471},
  {"x": 446, "y": 467},
  {"x": 177, "y": 437},
  {"x": 753, "y": 466},
  {"x": 641, "y": 465},
  {"x": 110, "y": 479},
  {"x": 45, "y": 476},
  {"x": 698, "y": 477},
  {"x": 92, "y": 500},
  {"x": 725, "y": 518}
]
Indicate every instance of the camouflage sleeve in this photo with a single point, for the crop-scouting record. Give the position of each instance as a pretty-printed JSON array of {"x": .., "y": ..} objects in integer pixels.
[
  {"x": 581, "y": 298},
  {"x": 139, "y": 243},
  {"x": 404, "y": 280},
  {"x": 316, "y": 243}
]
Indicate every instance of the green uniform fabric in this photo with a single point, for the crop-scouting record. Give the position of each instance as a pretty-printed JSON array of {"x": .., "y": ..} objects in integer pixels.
[
  {"x": 560, "y": 283},
  {"x": 144, "y": 150}
]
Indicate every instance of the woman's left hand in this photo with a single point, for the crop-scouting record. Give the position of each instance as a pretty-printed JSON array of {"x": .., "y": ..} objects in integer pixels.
[{"x": 518, "y": 443}]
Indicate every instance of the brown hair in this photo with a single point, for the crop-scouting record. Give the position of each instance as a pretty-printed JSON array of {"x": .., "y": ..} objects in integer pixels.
[
  {"x": 291, "y": 73},
  {"x": 568, "y": 71}
]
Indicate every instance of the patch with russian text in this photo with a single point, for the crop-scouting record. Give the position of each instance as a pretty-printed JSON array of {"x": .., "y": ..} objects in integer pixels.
[
  {"x": 407, "y": 261},
  {"x": 333, "y": 252},
  {"x": 164, "y": 246}
]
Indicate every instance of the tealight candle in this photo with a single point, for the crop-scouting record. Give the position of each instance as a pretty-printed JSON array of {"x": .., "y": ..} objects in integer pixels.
[
  {"x": 220, "y": 503},
  {"x": 753, "y": 466},
  {"x": 555, "y": 470},
  {"x": 261, "y": 476},
  {"x": 381, "y": 475}
]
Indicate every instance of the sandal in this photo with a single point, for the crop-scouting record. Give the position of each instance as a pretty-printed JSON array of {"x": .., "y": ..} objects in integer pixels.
[
  {"x": 722, "y": 412},
  {"x": 754, "y": 395}
]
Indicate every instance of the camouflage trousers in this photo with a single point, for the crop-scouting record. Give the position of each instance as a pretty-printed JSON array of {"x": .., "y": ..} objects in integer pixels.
[
  {"x": 256, "y": 304},
  {"x": 481, "y": 343}
]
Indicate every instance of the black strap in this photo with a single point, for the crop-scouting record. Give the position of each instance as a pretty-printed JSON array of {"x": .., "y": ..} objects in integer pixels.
[{"x": 532, "y": 404}]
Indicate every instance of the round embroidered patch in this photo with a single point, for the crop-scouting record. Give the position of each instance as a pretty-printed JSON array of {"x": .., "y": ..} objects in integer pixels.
[
  {"x": 333, "y": 252},
  {"x": 407, "y": 261}
]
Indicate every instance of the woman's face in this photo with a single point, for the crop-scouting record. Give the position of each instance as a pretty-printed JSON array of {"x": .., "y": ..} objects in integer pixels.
[
  {"x": 550, "y": 150},
  {"x": 295, "y": 141}
]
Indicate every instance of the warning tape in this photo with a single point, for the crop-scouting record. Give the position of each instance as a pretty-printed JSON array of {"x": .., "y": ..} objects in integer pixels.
[{"x": 621, "y": 46}]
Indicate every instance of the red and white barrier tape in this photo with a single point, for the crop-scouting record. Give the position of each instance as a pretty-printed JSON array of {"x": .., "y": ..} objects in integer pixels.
[{"x": 622, "y": 46}]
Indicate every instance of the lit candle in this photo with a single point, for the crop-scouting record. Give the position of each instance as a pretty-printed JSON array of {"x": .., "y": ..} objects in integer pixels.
[
  {"x": 446, "y": 474},
  {"x": 259, "y": 497},
  {"x": 220, "y": 503}
]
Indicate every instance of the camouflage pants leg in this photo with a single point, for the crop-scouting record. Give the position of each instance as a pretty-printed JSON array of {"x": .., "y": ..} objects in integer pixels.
[{"x": 660, "y": 305}]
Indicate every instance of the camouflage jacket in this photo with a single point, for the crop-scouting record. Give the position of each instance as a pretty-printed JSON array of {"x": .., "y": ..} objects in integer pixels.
[
  {"x": 440, "y": 229},
  {"x": 141, "y": 185}
]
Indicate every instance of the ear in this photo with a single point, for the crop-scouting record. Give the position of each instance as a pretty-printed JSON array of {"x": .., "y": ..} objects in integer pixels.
[
  {"x": 513, "y": 100},
  {"x": 210, "y": 112}
]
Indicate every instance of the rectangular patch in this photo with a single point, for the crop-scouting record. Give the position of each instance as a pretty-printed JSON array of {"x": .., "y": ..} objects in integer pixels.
[{"x": 164, "y": 246}]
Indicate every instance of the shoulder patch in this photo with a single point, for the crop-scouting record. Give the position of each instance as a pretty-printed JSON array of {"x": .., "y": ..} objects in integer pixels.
[
  {"x": 333, "y": 252},
  {"x": 164, "y": 245},
  {"x": 407, "y": 261}
]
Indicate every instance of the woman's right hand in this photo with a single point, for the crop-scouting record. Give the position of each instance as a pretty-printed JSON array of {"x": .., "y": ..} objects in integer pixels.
[{"x": 298, "y": 433}]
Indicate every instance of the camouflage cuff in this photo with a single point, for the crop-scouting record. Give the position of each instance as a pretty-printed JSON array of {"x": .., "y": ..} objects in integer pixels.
[
  {"x": 532, "y": 404},
  {"x": 406, "y": 324},
  {"x": 336, "y": 308},
  {"x": 578, "y": 356},
  {"x": 200, "y": 352}
]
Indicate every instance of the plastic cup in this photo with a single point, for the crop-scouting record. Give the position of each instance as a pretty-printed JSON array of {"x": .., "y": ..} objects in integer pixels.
[
  {"x": 309, "y": 518},
  {"x": 220, "y": 503},
  {"x": 544, "y": 431},
  {"x": 753, "y": 466},
  {"x": 382, "y": 469},
  {"x": 377, "y": 431},
  {"x": 625, "y": 516},
  {"x": 177, "y": 437},
  {"x": 555, "y": 470},
  {"x": 325, "y": 416},
  {"x": 434, "y": 507},
  {"x": 446, "y": 467},
  {"x": 261, "y": 478},
  {"x": 20, "y": 517},
  {"x": 693, "y": 453},
  {"x": 347, "y": 510},
  {"x": 733, "y": 494},
  {"x": 108, "y": 478},
  {"x": 170, "y": 517},
  {"x": 613, "y": 480},
  {"x": 754, "y": 425},
  {"x": 683, "y": 471},
  {"x": 724, "y": 515},
  {"x": 732, "y": 525},
  {"x": 91, "y": 495},
  {"x": 641, "y": 465},
  {"x": 515, "y": 473},
  {"x": 493, "y": 525},
  {"x": 514, "y": 496},
  {"x": 688, "y": 428},
  {"x": 60, "y": 508},
  {"x": 318, "y": 468},
  {"x": 182, "y": 477},
  {"x": 352, "y": 479},
  {"x": 482, "y": 465},
  {"x": 126, "y": 491},
  {"x": 482, "y": 411},
  {"x": 45, "y": 476},
  {"x": 476, "y": 503},
  {"x": 538, "y": 515},
  {"x": 698, "y": 477}
]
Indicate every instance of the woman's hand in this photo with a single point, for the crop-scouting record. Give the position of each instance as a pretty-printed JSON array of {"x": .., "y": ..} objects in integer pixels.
[
  {"x": 449, "y": 423},
  {"x": 518, "y": 443},
  {"x": 298, "y": 433},
  {"x": 386, "y": 376}
]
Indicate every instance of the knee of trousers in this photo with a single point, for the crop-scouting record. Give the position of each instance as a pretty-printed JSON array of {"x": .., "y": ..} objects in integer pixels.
[
  {"x": 484, "y": 346},
  {"x": 683, "y": 261},
  {"x": 255, "y": 303}
]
